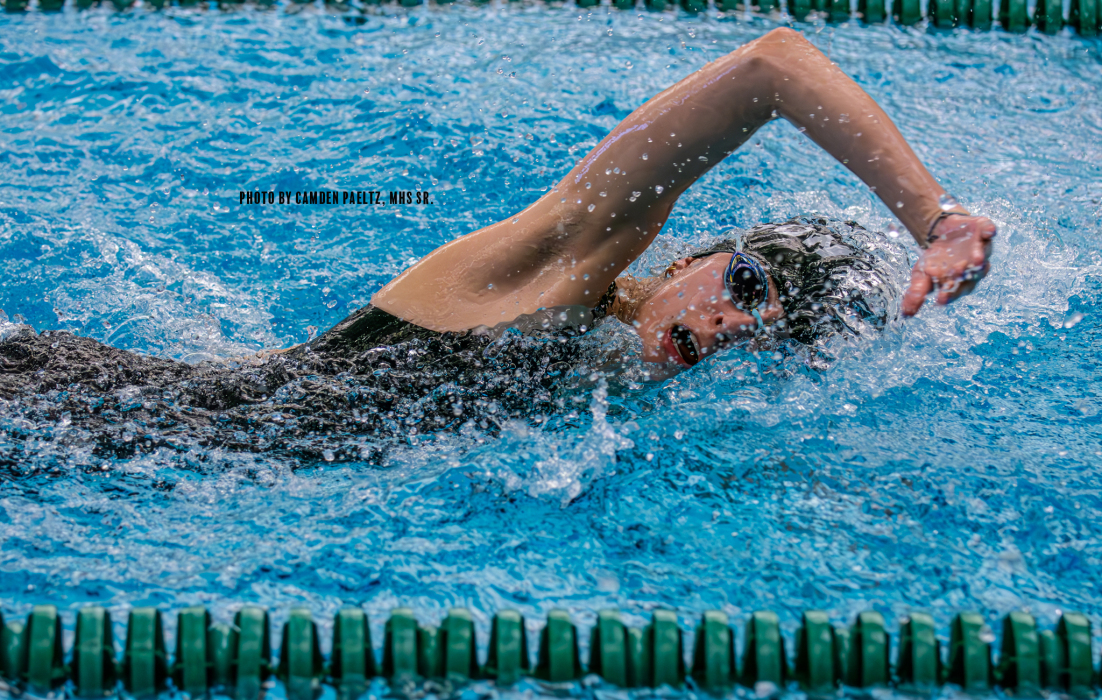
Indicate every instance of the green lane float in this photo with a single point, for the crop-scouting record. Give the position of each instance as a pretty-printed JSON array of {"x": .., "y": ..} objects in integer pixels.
[
  {"x": 144, "y": 667},
  {"x": 508, "y": 657},
  {"x": 918, "y": 663},
  {"x": 42, "y": 664},
  {"x": 238, "y": 659},
  {"x": 1085, "y": 16}
]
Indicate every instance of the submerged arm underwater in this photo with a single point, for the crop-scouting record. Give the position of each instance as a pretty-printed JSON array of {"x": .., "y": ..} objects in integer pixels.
[{"x": 566, "y": 248}]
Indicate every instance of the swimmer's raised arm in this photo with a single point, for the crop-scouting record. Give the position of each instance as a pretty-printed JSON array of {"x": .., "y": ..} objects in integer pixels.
[{"x": 571, "y": 244}]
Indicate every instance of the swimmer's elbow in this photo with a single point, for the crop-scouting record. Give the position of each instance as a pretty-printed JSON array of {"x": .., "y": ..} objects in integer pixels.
[{"x": 777, "y": 48}]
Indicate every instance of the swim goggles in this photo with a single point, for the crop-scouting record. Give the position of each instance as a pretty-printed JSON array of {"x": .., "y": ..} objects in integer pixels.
[{"x": 747, "y": 283}]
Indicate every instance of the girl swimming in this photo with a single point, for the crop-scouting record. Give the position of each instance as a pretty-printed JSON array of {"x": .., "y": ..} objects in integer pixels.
[
  {"x": 568, "y": 248},
  {"x": 509, "y": 296}
]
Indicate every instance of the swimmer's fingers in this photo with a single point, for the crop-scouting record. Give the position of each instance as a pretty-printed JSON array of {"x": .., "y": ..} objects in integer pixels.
[
  {"x": 963, "y": 284},
  {"x": 921, "y": 285}
]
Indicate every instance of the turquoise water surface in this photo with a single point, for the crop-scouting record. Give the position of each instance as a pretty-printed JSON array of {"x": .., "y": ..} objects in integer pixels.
[{"x": 953, "y": 463}]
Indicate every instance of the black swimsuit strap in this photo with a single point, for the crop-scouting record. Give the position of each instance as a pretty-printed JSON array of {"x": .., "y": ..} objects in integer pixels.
[{"x": 605, "y": 302}]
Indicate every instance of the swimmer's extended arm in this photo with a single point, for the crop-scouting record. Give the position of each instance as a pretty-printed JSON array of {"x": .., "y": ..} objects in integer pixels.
[{"x": 567, "y": 247}]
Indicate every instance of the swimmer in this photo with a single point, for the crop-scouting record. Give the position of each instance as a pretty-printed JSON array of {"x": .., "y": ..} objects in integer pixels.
[
  {"x": 418, "y": 358},
  {"x": 569, "y": 248}
]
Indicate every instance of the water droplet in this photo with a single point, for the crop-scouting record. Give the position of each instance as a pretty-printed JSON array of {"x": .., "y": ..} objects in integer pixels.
[
  {"x": 899, "y": 205},
  {"x": 585, "y": 276},
  {"x": 591, "y": 207},
  {"x": 893, "y": 230},
  {"x": 481, "y": 42},
  {"x": 311, "y": 332},
  {"x": 328, "y": 455},
  {"x": 659, "y": 189},
  {"x": 588, "y": 185},
  {"x": 610, "y": 32},
  {"x": 644, "y": 156},
  {"x": 1071, "y": 319},
  {"x": 490, "y": 286},
  {"x": 947, "y": 202}
]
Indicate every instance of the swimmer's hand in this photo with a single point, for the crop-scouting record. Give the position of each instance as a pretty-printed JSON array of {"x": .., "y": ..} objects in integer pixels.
[{"x": 953, "y": 264}]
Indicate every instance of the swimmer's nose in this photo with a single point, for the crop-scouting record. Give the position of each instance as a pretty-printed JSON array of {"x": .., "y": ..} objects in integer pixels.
[{"x": 725, "y": 326}]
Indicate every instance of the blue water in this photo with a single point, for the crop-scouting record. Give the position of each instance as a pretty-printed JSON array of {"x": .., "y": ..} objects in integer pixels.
[{"x": 954, "y": 463}]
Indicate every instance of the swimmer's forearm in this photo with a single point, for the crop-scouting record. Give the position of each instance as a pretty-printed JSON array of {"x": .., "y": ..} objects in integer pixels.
[{"x": 827, "y": 105}]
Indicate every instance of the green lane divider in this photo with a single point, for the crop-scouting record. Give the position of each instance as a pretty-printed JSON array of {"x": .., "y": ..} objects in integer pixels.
[
  {"x": 458, "y": 655},
  {"x": 250, "y": 651},
  {"x": 871, "y": 11},
  {"x": 713, "y": 653},
  {"x": 352, "y": 663},
  {"x": 1014, "y": 16},
  {"x": 1049, "y": 15},
  {"x": 301, "y": 665},
  {"x": 42, "y": 657},
  {"x": 558, "y": 651},
  {"x": 919, "y": 660},
  {"x": 982, "y": 14},
  {"x": 508, "y": 658},
  {"x": 970, "y": 653},
  {"x": 907, "y": 12},
  {"x": 1074, "y": 671},
  {"x": 1086, "y": 16},
  {"x": 839, "y": 10},
  {"x": 144, "y": 667},
  {"x": 220, "y": 646},
  {"x": 237, "y": 659},
  {"x": 800, "y": 9},
  {"x": 93, "y": 665},
  {"x": 868, "y": 665},
  {"x": 665, "y": 651},
  {"x": 1019, "y": 666},
  {"x": 943, "y": 13},
  {"x": 400, "y": 646},
  {"x": 11, "y": 649},
  {"x": 764, "y": 659},
  {"x": 815, "y": 654},
  {"x": 428, "y": 660},
  {"x": 191, "y": 672}
]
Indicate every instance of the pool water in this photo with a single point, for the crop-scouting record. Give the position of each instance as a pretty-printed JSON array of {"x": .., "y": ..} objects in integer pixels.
[{"x": 952, "y": 463}]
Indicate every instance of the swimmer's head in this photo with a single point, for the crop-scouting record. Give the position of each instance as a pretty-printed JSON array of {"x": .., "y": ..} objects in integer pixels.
[{"x": 704, "y": 302}]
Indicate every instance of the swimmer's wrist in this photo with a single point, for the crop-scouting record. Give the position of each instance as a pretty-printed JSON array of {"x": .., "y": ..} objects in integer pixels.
[{"x": 931, "y": 235}]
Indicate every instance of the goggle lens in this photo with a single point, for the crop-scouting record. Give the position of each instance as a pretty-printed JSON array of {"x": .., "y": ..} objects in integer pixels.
[{"x": 746, "y": 281}]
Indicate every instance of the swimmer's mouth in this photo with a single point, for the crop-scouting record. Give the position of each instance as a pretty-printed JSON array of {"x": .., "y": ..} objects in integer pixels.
[{"x": 685, "y": 345}]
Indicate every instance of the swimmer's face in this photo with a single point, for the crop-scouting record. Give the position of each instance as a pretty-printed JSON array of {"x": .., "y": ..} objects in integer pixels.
[{"x": 692, "y": 316}]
